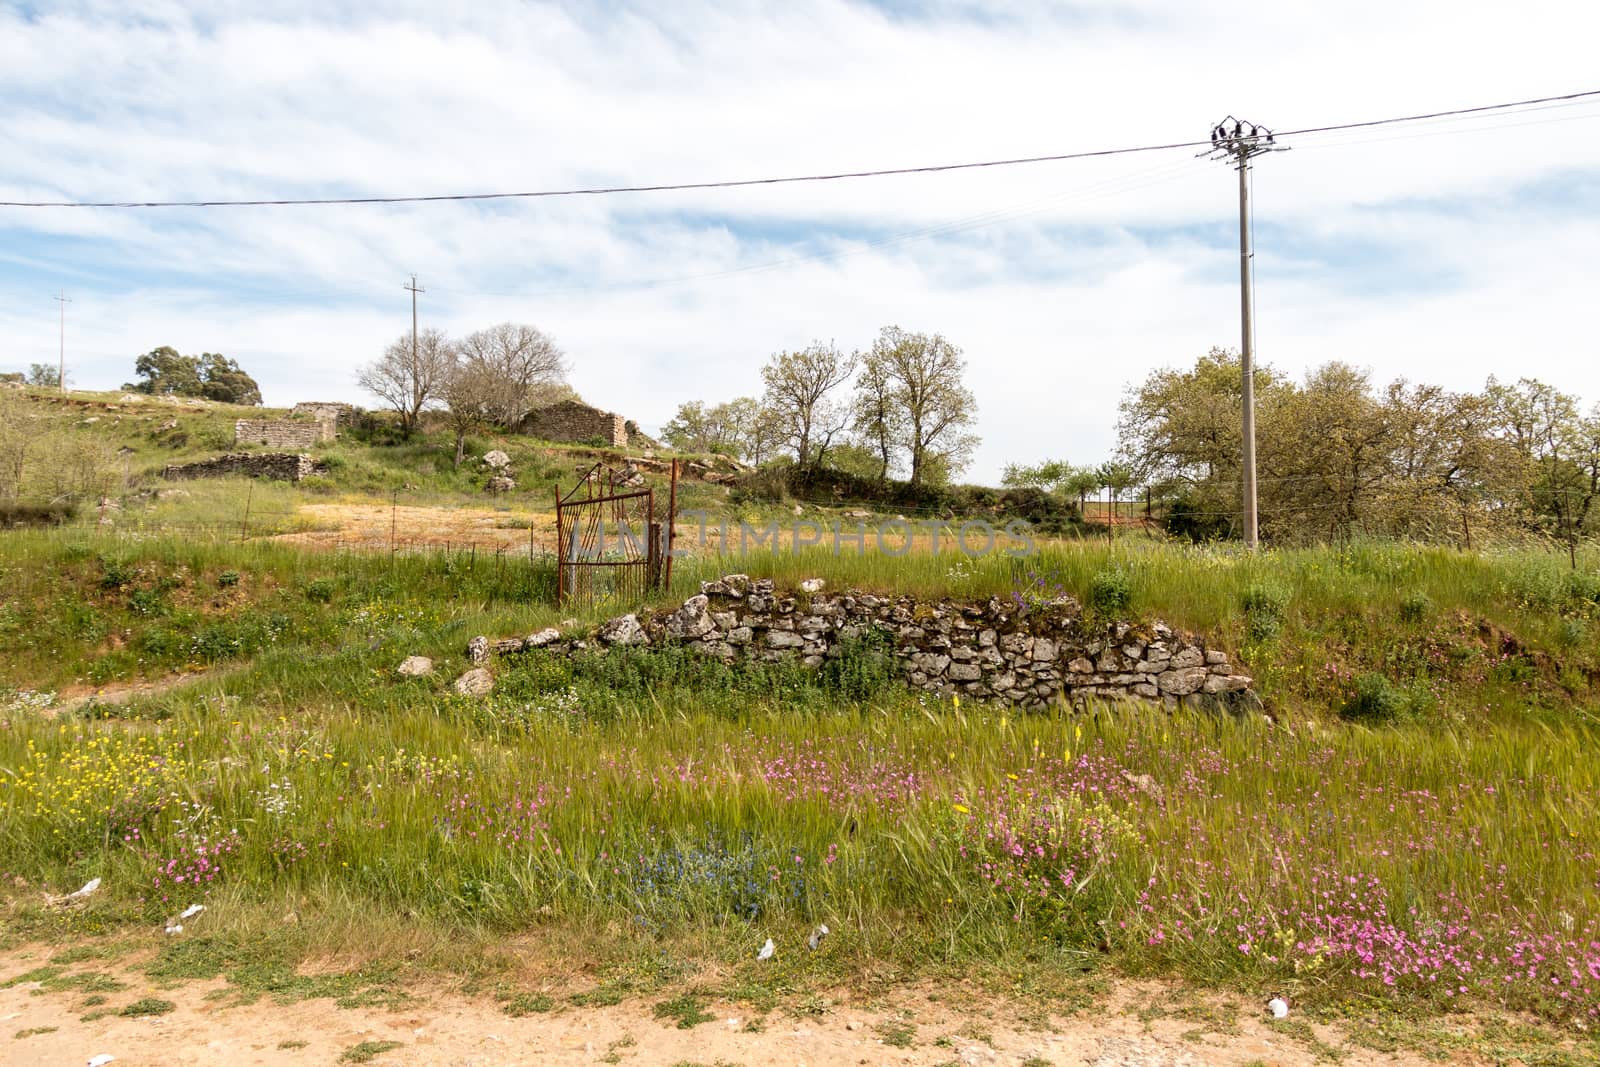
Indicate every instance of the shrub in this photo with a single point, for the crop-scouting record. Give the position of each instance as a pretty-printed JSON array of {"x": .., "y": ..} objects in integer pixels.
[
  {"x": 227, "y": 579},
  {"x": 864, "y": 667},
  {"x": 1375, "y": 700},
  {"x": 1110, "y": 591},
  {"x": 1415, "y": 607},
  {"x": 320, "y": 590},
  {"x": 1265, "y": 606}
]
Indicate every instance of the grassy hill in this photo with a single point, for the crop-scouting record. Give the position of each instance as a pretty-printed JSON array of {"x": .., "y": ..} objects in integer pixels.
[{"x": 1407, "y": 839}]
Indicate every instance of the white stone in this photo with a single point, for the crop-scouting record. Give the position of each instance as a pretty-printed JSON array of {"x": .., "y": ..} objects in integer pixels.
[
  {"x": 475, "y": 683},
  {"x": 812, "y": 585},
  {"x": 415, "y": 666}
]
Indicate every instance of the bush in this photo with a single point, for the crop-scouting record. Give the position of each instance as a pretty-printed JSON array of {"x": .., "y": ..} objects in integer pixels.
[
  {"x": 1375, "y": 700},
  {"x": 320, "y": 590},
  {"x": 13, "y": 514},
  {"x": 1265, "y": 606},
  {"x": 864, "y": 667},
  {"x": 1110, "y": 591},
  {"x": 1415, "y": 607},
  {"x": 227, "y": 579}
]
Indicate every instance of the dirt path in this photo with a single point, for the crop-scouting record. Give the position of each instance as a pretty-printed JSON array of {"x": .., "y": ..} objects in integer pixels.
[
  {"x": 45, "y": 1027},
  {"x": 74, "y": 697},
  {"x": 372, "y": 526}
]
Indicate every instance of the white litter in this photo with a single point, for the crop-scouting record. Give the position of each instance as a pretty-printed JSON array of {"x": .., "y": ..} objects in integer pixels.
[
  {"x": 817, "y": 935},
  {"x": 99, "y": 1061},
  {"x": 174, "y": 929},
  {"x": 88, "y": 889},
  {"x": 1278, "y": 1007},
  {"x": 767, "y": 950},
  {"x": 192, "y": 910}
]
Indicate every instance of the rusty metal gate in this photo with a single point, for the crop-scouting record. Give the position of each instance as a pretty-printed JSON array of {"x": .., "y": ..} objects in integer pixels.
[{"x": 611, "y": 548}]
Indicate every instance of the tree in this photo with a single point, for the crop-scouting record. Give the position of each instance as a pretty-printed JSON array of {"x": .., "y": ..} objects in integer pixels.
[
  {"x": 1559, "y": 450},
  {"x": 166, "y": 372},
  {"x": 1118, "y": 478},
  {"x": 212, "y": 376},
  {"x": 720, "y": 428},
  {"x": 44, "y": 376},
  {"x": 410, "y": 379},
  {"x": 876, "y": 414},
  {"x": 467, "y": 394},
  {"x": 924, "y": 376},
  {"x": 223, "y": 380},
  {"x": 798, "y": 385},
  {"x": 21, "y": 428},
  {"x": 520, "y": 367}
]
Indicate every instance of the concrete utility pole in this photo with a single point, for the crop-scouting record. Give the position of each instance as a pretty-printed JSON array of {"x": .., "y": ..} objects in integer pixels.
[
  {"x": 1236, "y": 140},
  {"x": 412, "y": 288},
  {"x": 65, "y": 300}
]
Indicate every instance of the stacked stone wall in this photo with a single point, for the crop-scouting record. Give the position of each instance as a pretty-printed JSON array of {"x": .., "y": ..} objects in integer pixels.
[
  {"x": 1028, "y": 654},
  {"x": 575, "y": 423},
  {"x": 283, "y": 433},
  {"x": 343, "y": 416},
  {"x": 280, "y": 466}
]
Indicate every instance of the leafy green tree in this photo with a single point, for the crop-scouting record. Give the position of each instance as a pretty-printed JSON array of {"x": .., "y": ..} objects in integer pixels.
[
  {"x": 933, "y": 411},
  {"x": 798, "y": 394},
  {"x": 167, "y": 372}
]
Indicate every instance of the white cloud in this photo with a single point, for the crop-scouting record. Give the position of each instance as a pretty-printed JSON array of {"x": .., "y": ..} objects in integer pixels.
[{"x": 1094, "y": 272}]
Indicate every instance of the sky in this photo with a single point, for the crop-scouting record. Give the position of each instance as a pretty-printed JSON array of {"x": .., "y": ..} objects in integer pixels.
[{"x": 1443, "y": 251}]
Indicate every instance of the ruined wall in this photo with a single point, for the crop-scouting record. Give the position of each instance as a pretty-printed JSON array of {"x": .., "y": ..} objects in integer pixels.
[
  {"x": 282, "y": 466},
  {"x": 1020, "y": 653},
  {"x": 283, "y": 433},
  {"x": 575, "y": 422},
  {"x": 340, "y": 414}
]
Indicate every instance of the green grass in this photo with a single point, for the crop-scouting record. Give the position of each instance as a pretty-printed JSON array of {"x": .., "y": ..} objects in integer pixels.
[
  {"x": 692, "y": 810},
  {"x": 367, "y": 1051},
  {"x": 148, "y": 1006}
]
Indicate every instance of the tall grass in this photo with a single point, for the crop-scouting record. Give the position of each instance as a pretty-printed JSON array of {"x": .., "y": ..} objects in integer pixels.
[{"x": 1414, "y": 863}]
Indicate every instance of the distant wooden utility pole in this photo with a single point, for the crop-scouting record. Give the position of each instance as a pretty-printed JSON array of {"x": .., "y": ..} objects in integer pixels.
[{"x": 62, "y": 371}]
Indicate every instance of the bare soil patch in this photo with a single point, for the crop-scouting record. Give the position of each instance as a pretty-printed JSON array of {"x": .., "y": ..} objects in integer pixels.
[{"x": 203, "y": 1027}]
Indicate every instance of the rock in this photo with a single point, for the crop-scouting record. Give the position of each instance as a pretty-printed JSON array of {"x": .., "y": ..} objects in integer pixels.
[
  {"x": 812, "y": 585},
  {"x": 475, "y": 683},
  {"x": 415, "y": 666},
  {"x": 548, "y": 636},
  {"x": 1214, "y": 657},
  {"x": 692, "y": 620},
  {"x": 496, "y": 460},
  {"x": 1181, "y": 681},
  {"x": 478, "y": 651},
  {"x": 499, "y": 484},
  {"x": 1187, "y": 657},
  {"x": 784, "y": 639},
  {"x": 965, "y": 672},
  {"x": 1044, "y": 650},
  {"x": 740, "y": 635},
  {"x": 506, "y": 645},
  {"x": 1081, "y": 666},
  {"x": 623, "y": 630}
]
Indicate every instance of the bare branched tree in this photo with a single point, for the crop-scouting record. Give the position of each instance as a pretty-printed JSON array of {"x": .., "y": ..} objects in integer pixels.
[
  {"x": 520, "y": 365},
  {"x": 410, "y": 379},
  {"x": 467, "y": 394}
]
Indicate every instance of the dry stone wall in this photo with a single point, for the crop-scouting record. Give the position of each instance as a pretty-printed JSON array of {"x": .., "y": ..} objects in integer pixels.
[
  {"x": 574, "y": 422},
  {"x": 281, "y": 466},
  {"x": 1028, "y": 654},
  {"x": 342, "y": 415},
  {"x": 283, "y": 433}
]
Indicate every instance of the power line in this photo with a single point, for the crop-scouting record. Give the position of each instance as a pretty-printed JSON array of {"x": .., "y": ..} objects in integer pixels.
[{"x": 783, "y": 180}]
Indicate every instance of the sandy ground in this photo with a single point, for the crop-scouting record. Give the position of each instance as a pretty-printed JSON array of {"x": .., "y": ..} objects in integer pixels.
[
  {"x": 447, "y": 1029},
  {"x": 372, "y": 526},
  {"x": 377, "y": 526}
]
